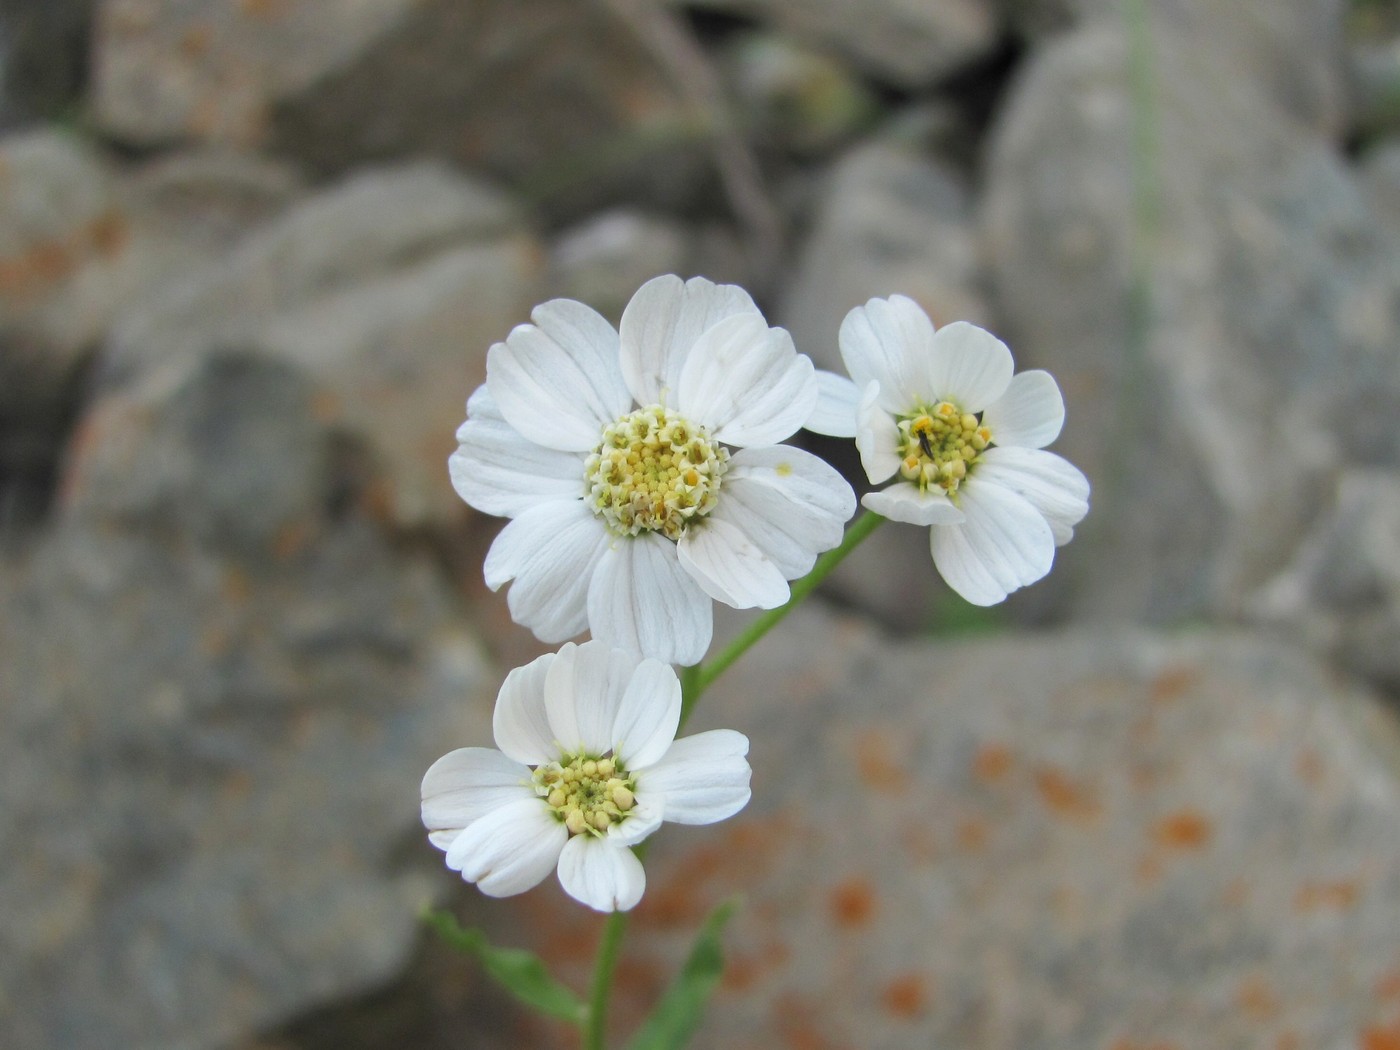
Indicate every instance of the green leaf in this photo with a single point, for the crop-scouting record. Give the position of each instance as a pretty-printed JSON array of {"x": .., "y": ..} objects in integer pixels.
[
  {"x": 676, "y": 1017},
  {"x": 518, "y": 971}
]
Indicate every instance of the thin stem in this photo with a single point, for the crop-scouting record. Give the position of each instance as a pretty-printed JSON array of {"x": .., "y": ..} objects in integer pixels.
[
  {"x": 603, "y": 968},
  {"x": 705, "y": 676}
]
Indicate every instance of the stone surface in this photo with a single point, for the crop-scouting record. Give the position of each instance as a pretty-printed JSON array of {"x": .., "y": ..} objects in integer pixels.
[
  {"x": 170, "y": 70},
  {"x": 223, "y": 683},
  {"x": 1030, "y": 843},
  {"x": 907, "y": 43},
  {"x": 1341, "y": 592},
  {"x": 606, "y": 258},
  {"x": 1267, "y": 298},
  {"x": 387, "y": 290}
]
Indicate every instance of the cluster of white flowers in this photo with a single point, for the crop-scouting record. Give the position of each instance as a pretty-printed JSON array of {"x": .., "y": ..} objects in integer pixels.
[{"x": 643, "y": 474}]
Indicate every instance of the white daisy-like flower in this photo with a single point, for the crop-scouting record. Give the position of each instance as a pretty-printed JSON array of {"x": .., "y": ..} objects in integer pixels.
[
  {"x": 611, "y": 454},
  {"x": 588, "y": 767},
  {"x": 943, "y": 411}
]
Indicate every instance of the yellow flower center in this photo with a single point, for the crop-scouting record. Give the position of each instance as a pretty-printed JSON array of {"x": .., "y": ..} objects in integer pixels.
[
  {"x": 588, "y": 795},
  {"x": 938, "y": 444},
  {"x": 654, "y": 471}
]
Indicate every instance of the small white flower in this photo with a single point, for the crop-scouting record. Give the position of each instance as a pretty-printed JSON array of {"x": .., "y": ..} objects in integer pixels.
[
  {"x": 608, "y": 453},
  {"x": 966, "y": 438},
  {"x": 588, "y": 766}
]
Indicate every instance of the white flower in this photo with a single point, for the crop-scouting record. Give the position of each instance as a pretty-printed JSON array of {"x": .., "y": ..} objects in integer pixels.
[
  {"x": 588, "y": 766},
  {"x": 607, "y": 452},
  {"x": 966, "y": 438}
]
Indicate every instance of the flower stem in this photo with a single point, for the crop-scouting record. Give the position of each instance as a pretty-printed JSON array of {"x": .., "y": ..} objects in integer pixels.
[
  {"x": 603, "y": 969},
  {"x": 695, "y": 680}
]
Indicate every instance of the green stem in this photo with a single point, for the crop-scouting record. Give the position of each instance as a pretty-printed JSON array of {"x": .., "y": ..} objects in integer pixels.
[
  {"x": 704, "y": 676},
  {"x": 603, "y": 970}
]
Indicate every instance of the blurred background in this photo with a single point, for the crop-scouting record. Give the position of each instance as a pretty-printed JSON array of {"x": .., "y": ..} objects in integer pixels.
[{"x": 252, "y": 256}]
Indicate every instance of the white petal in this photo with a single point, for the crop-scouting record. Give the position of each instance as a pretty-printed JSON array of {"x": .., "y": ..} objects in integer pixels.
[
  {"x": 601, "y": 873},
  {"x": 1004, "y": 544},
  {"x": 509, "y": 850},
  {"x": 499, "y": 472},
  {"x": 662, "y": 323},
  {"x": 790, "y": 503},
  {"x": 904, "y": 502},
  {"x": 969, "y": 366},
  {"x": 704, "y": 778},
  {"x": 730, "y": 567},
  {"x": 837, "y": 401},
  {"x": 520, "y": 722},
  {"x": 559, "y": 381},
  {"x": 1050, "y": 483},
  {"x": 583, "y": 692},
  {"x": 465, "y": 785},
  {"x": 887, "y": 341},
  {"x": 646, "y": 720},
  {"x": 642, "y": 819},
  {"x": 747, "y": 383},
  {"x": 642, "y": 600},
  {"x": 877, "y": 437},
  {"x": 550, "y": 551},
  {"x": 1030, "y": 413}
]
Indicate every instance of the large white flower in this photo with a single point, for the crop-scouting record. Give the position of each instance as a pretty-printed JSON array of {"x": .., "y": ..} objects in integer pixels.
[
  {"x": 943, "y": 411},
  {"x": 588, "y": 767},
  {"x": 608, "y": 453}
]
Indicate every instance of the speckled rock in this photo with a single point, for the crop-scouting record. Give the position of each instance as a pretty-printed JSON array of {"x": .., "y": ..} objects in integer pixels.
[
  {"x": 387, "y": 290},
  {"x": 223, "y": 683},
  {"x": 1031, "y": 843},
  {"x": 1267, "y": 297},
  {"x": 604, "y": 259}
]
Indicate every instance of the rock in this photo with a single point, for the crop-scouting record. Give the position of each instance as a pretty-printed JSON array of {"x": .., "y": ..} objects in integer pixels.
[
  {"x": 1210, "y": 419},
  {"x": 80, "y": 238},
  {"x": 43, "y": 59},
  {"x": 1053, "y": 842},
  {"x": 909, "y": 44},
  {"x": 1379, "y": 174},
  {"x": 387, "y": 290},
  {"x": 1295, "y": 54},
  {"x": 169, "y": 71},
  {"x": 226, "y": 684},
  {"x": 794, "y": 98},
  {"x": 886, "y": 220},
  {"x": 605, "y": 259},
  {"x": 1341, "y": 592}
]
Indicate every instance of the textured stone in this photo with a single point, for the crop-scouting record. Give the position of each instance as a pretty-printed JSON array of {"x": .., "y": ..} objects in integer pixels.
[
  {"x": 908, "y": 43},
  {"x": 386, "y": 290},
  {"x": 606, "y": 258},
  {"x": 1030, "y": 843},
  {"x": 223, "y": 683},
  {"x": 212, "y": 70},
  {"x": 1271, "y": 296}
]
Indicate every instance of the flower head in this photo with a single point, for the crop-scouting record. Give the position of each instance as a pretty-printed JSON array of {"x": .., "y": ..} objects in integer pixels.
[
  {"x": 943, "y": 413},
  {"x": 588, "y": 766},
  {"x": 641, "y": 469}
]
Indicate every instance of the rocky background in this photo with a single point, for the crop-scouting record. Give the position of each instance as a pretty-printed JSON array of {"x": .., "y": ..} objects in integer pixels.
[{"x": 252, "y": 255}]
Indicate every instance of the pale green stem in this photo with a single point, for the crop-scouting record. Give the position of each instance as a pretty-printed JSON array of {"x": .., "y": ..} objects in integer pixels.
[{"x": 595, "y": 1025}]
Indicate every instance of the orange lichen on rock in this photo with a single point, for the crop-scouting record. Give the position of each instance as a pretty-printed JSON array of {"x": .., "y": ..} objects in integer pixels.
[
  {"x": 852, "y": 903},
  {"x": 1064, "y": 797},
  {"x": 1381, "y": 1038},
  {"x": 1337, "y": 893},
  {"x": 1256, "y": 999},
  {"x": 877, "y": 772},
  {"x": 991, "y": 763},
  {"x": 1186, "y": 829},
  {"x": 1172, "y": 683},
  {"x": 906, "y": 997}
]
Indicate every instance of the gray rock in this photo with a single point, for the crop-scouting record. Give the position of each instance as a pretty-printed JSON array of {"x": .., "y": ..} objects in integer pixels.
[
  {"x": 606, "y": 258},
  {"x": 1341, "y": 592},
  {"x": 1056, "y": 842},
  {"x": 170, "y": 70},
  {"x": 226, "y": 683},
  {"x": 1293, "y": 50},
  {"x": 1210, "y": 418},
  {"x": 386, "y": 290},
  {"x": 886, "y": 220},
  {"x": 907, "y": 43},
  {"x": 1379, "y": 175}
]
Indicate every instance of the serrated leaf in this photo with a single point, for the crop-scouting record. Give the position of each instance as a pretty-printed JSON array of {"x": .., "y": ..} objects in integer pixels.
[
  {"x": 518, "y": 971},
  {"x": 677, "y": 1016}
]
